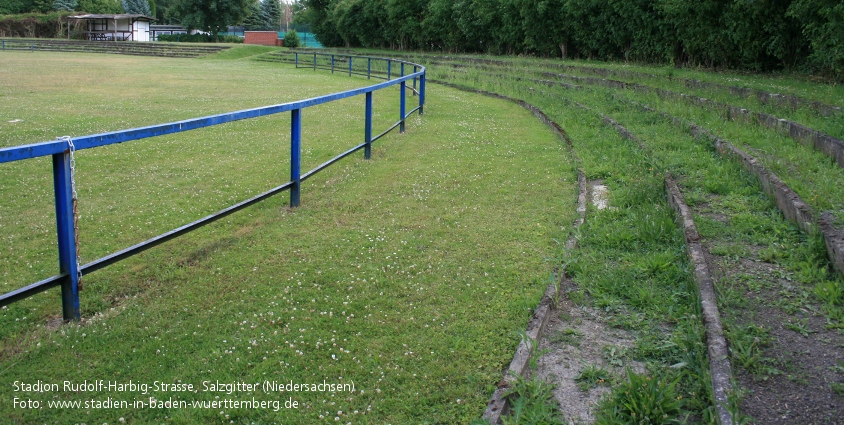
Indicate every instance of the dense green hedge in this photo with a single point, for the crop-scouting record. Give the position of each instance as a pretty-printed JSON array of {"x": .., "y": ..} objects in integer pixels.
[
  {"x": 759, "y": 35},
  {"x": 200, "y": 38},
  {"x": 32, "y": 25}
]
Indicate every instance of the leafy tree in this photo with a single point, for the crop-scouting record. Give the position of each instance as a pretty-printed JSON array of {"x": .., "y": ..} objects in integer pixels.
[
  {"x": 405, "y": 17},
  {"x": 821, "y": 24},
  {"x": 440, "y": 32},
  {"x": 748, "y": 34},
  {"x": 298, "y": 12},
  {"x": 100, "y": 6},
  {"x": 140, "y": 7},
  {"x": 211, "y": 16},
  {"x": 42, "y": 6},
  {"x": 165, "y": 11},
  {"x": 11, "y": 7},
  {"x": 318, "y": 15},
  {"x": 764, "y": 37},
  {"x": 510, "y": 37},
  {"x": 697, "y": 26},
  {"x": 68, "y": 5}
]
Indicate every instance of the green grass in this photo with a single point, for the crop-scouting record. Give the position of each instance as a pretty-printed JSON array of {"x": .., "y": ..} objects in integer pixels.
[
  {"x": 795, "y": 84},
  {"x": 592, "y": 376},
  {"x": 240, "y": 51},
  {"x": 407, "y": 274},
  {"x": 438, "y": 246},
  {"x": 631, "y": 261},
  {"x": 541, "y": 69},
  {"x": 531, "y": 402}
]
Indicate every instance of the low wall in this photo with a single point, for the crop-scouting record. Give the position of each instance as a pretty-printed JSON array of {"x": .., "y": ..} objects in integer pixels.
[{"x": 266, "y": 38}]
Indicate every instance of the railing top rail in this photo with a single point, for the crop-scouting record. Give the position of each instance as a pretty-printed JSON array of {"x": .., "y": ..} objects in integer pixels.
[
  {"x": 17, "y": 153},
  {"x": 346, "y": 55}
]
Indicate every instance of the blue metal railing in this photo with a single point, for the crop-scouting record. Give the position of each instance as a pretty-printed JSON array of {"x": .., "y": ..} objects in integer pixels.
[{"x": 62, "y": 150}]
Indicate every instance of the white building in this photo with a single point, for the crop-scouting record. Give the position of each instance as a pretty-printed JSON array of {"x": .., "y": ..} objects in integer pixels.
[{"x": 124, "y": 27}]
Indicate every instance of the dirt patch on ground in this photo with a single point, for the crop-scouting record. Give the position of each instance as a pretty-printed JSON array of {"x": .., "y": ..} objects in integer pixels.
[
  {"x": 577, "y": 338},
  {"x": 785, "y": 356},
  {"x": 599, "y": 194},
  {"x": 795, "y": 379}
]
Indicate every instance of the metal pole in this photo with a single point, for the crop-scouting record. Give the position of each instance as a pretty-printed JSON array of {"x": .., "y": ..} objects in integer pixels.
[
  {"x": 315, "y": 61},
  {"x": 422, "y": 92},
  {"x": 402, "y": 98},
  {"x": 388, "y": 69},
  {"x": 296, "y": 60},
  {"x": 413, "y": 93},
  {"x": 369, "y": 64},
  {"x": 63, "y": 191},
  {"x": 332, "y": 64},
  {"x": 295, "y": 148},
  {"x": 350, "y": 66},
  {"x": 402, "y": 107},
  {"x": 368, "y": 125}
]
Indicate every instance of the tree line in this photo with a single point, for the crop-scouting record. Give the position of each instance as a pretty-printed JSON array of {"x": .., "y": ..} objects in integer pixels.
[
  {"x": 194, "y": 14},
  {"x": 757, "y": 35}
]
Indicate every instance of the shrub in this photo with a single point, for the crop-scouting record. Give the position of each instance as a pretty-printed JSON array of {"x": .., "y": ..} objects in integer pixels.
[{"x": 292, "y": 39}]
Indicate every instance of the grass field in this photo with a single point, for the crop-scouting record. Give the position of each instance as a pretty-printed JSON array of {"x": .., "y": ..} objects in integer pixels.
[
  {"x": 406, "y": 275},
  {"x": 410, "y": 275}
]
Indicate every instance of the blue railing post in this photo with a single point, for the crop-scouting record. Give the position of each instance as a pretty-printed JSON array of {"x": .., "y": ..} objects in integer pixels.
[
  {"x": 414, "y": 92},
  {"x": 296, "y": 60},
  {"x": 332, "y": 64},
  {"x": 368, "y": 125},
  {"x": 350, "y": 66},
  {"x": 369, "y": 63},
  {"x": 63, "y": 188},
  {"x": 295, "y": 149},
  {"x": 4, "y": 44},
  {"x": 388, "y": 69},
  {"x": 402, "y": 107},
  {"x": 315, "y": 61},
  {"x": 422, "y": 92}
]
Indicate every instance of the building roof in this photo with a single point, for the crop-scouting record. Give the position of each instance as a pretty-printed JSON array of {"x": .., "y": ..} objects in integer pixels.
[{"x": 118, "y": 16}]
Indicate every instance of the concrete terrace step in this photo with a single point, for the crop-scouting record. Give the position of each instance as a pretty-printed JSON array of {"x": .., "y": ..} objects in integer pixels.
[{"x": 112, "y": 47}]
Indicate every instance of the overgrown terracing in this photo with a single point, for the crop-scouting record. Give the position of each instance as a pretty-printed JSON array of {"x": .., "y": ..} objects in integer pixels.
[{"x": 780, "y": 300}]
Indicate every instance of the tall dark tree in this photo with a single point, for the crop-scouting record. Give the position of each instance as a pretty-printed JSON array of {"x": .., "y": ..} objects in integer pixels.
[
  {"x": 273, "y": 14},
  {"x": 67, "y": 5},
  {"x": 140, "y": 7},
  {"x": 747, "y": 34},
  {"x": 211, "y": 16},
  {"x": 41, "y": 6},
  {"x": 11, "y": 7},
  {"x": 821, "y": 24},
  {"x": 255, "y": 19},
  {"x": 100, "y": 6},
  {"x": 318, "y": 13}
]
